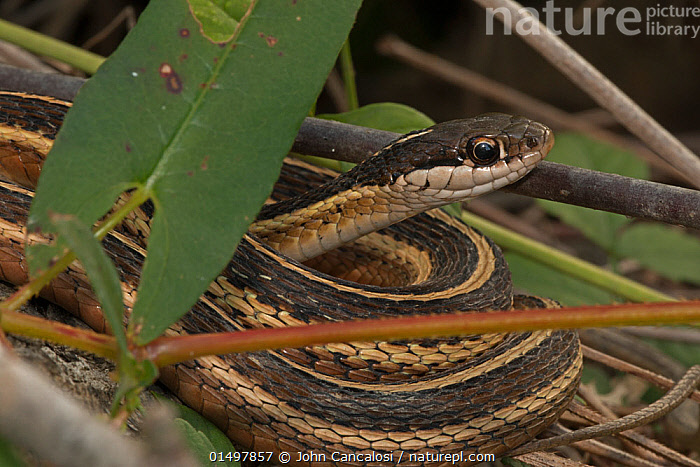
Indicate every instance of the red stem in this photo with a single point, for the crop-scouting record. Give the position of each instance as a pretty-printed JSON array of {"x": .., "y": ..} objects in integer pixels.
[{"x": 165, "y": 351}]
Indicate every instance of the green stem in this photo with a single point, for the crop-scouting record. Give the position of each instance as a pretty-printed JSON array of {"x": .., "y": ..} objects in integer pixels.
[
  {"x": 48, "y": 46},
  {"x": 32, "y": 326},
  {"x": 137, "y": 198},
  {"x": 33, "y": 288},
  {"x": 348, "y": 72},
  {"x": 26, "y": 292},
  {"x": 565, "y": 263}
]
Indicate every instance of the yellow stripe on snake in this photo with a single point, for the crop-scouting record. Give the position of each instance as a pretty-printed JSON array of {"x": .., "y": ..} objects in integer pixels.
[{"x": 335, "y": 250}]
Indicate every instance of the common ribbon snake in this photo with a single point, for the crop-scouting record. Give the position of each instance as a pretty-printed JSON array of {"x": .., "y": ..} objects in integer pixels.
[{"x": 335, "y": 250}]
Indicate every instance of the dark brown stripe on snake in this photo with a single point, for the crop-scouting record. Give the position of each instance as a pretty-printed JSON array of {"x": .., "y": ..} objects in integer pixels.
[{"x": 470, "y": 394}]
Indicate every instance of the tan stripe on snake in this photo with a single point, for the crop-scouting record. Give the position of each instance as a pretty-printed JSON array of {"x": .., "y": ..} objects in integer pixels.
[{"x": 337, "y": 253}]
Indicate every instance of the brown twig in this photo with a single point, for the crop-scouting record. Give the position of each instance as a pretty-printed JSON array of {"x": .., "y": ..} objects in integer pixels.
[
  {"x": 498, "y": 92},
  {"x": 599, "y": 449},
  {"x": 652, "y": 412},
  {"x": 336, "y": 91},
  {"x": 652, "y": 447},
  {"x": 688, "y": 336},
  {"x": 545, "y": 459},
  {"x": 50, "y": 84},
  {"x": 594, "y": 401},
  {"x": 612, "y": 193},
  {"x": 32, "y": 412},
  {"x": 127, "y": 16},
  {"x": 588, "y": 188},
  {"x": 601, "y": 89},
  {"x": 630, "y": 349},
  {"x": 646, "y": 375}
]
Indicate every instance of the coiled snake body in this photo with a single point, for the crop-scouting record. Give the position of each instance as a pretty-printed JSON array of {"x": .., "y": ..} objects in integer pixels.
[{"x": 361, "y": 403}]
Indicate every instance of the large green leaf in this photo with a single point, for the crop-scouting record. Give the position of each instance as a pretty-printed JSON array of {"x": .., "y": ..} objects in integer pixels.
[{"x": 200, "y": 127}]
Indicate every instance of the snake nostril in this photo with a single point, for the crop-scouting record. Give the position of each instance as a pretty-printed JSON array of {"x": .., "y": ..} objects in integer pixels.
[{"x": 531, "y": 142}]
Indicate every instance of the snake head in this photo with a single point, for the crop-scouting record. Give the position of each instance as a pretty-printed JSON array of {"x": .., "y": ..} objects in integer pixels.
[
  {"x": 442, "y": 164},
  {"x": 467, "y": 158}
]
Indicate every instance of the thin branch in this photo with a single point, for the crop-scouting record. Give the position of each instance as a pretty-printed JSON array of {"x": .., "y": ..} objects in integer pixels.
[
  {"x": 596, "y": 190},
  {"x": 127, "y": 16},
  {"x": 653, "y": 412},
  {"x": 653, "y": 448},
  {"x": 348, "y": 71},
  {"x": 597, "y": 448},
  {"x": 612, "y": 193},
  {"x": 336, "y": 91},
  {"x": 396, "y": 48},
  {"x": 546, "y": 459},
  {"x": 620, "y": 365},
  {"x": 33, "y": 326},
  {"x": 34, "y": 415},
  {"x": 594, "y": 402},
  {"x": 633, "y": 350},
  {"x": 41, "y": 44},
  {"x": 675, "y": 334},
  {"x": 601, "y": 89},
  {"x": 49, "y": 84}
]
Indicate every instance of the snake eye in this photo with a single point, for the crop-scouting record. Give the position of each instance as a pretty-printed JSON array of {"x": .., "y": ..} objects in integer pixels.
[{"x": 483, "y": 151}]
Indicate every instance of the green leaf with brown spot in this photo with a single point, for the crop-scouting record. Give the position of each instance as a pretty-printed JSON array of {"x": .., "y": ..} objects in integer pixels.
[{"x": 198, "y": 127}]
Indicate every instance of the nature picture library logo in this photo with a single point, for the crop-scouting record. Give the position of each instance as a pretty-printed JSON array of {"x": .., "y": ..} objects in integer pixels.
[{"x": 659, "y": 20}]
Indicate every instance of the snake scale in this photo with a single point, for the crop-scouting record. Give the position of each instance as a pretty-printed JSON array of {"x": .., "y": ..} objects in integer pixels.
[{"x": 332, "y": 249}]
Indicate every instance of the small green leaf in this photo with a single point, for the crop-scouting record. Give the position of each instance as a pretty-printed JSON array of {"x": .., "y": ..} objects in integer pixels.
[
  {"x": 538, "y": 279},
  {"x": 103, "y": 276},
  {"x": 9, "y": 455},
  {"x": 201, "y": 434},
  {"x": 386, "y": 116},
  {"x": 218, "y": 18},
  {"x": 582, "y": 151},
  {"x": 670, "y": 252},
  {"x": 198, "y": 443}
]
